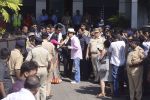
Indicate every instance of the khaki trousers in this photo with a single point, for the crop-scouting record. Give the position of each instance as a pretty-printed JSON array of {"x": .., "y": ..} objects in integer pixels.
[
  {"x": 94, "y": 64},
  {"x": 48, "y": 84},
  {"x": 42, "y": 93},
  {"x": 135, "y": 76}
]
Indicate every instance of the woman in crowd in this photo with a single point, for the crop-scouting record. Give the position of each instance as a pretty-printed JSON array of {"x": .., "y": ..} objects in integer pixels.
[{"x": 104, "y": 70}]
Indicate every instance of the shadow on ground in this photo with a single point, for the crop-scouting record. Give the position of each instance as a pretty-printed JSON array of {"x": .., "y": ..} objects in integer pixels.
[{"x": 93, "y": 90}]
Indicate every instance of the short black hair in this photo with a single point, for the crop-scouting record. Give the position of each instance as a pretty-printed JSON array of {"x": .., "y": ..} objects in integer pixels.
[
  {"x": 84, "y": 24},
  {"x": 135, "y": 41},
  {"x": 4, "y": 53},
  {"x": 32, "y": 82},
  {"x": 116, "y": 36},
  {"x": 45, "y": 35},
  {"x": 28, "y": 66},
  {"x": 58, "y": 26},
  {"x": 38, "y": 40},
  {"x": 49, "y": 26},
  {"x": 107, "y": 44}
]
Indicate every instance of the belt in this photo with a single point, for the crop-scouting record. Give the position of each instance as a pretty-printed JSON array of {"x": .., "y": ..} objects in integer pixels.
[
  {"x": 94, "y": 53},
  {"x": 42, "y": 67},
  {"x": 135, "y": 65}
]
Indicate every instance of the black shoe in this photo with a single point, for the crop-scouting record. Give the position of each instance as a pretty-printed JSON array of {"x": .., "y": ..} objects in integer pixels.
[{"x": 49, "y": 97}]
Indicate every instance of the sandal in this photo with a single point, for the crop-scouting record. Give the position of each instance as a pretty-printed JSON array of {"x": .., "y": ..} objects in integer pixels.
[{"x": 101, "y": 95}]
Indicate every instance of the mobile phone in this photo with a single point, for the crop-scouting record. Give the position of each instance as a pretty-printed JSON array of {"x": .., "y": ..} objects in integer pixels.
[{"x": 98, "y": 49}]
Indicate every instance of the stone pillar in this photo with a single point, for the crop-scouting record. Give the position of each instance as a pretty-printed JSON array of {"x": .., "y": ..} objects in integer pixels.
[
  {"x": 40, "y": 4},
  {"x": 134, "y": 13},
  {"x": 77, "y": 5}
]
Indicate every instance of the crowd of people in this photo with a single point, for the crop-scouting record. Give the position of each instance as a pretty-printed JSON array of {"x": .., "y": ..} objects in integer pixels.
[{"x": 102, "y": 54}]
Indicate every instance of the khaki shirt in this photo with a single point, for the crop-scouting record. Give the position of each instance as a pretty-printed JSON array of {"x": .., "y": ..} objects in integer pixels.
[
  {"x": 135, "y": 57},
  {"x": 15, "y": 61},
  {"x": 96, "y": 43},
  {"x": 39, "y": 55},
  {"x": 49, "y": 47}
]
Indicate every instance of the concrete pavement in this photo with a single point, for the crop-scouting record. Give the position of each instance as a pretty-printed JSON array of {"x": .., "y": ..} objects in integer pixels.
[{"x": 81, "y": 91}]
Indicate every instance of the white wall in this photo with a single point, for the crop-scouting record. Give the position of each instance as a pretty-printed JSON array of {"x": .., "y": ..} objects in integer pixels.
[
  {"x": 40, "y": 4},
  {"x": 134, "y": 14},
  {"x": 78, "y": 5}
]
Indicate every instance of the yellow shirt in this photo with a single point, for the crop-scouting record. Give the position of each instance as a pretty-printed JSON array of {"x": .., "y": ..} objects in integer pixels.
[
  {"x": 49, "y": 47},
  {"x": 39, "y": 55},
  {"x": 94, "y": 44},
  {"x": 136, "y": 56},
  {"x": 15, "y": 61}
]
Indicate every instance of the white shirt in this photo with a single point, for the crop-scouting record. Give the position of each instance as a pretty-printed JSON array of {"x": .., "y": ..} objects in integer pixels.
[
  {"x": 117, "y": 50},
  {"x": 23, "y": 94},
  {"x": 59, "y": 36},
  {"x": 146, "y": 46},
  {"x": 50, "y": 35}
]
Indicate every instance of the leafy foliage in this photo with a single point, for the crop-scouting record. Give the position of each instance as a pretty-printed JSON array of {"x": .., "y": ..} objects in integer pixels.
[
  {"x": 119, "y": 21},
  {"x": 14, "y": 5}
]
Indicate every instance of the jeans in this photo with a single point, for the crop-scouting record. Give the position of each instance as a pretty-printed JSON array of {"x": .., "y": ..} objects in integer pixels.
[
  {"x": 115, "y": 77},
  {"x": 76, "y": 65}
]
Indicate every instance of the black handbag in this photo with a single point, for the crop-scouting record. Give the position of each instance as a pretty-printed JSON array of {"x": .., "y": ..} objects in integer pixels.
[
  {"x": 102, "y": 63},
  {"x": 103, "y": 60}
]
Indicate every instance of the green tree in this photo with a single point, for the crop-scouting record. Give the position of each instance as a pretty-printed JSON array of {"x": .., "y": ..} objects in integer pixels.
[
  {"x": 14, "y": 5},
  {"x": 119, "y": 21}
]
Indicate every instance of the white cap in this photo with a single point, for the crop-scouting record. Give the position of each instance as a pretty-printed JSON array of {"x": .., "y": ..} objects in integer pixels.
[
  {"x": 31, "y": 34},
  {"x": 71, "y": 30}
]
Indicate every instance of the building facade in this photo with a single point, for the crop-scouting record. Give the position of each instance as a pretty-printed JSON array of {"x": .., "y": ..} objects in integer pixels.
[
  {"x": 135, "y": 10},
  {"x": 95, "y": 7}
]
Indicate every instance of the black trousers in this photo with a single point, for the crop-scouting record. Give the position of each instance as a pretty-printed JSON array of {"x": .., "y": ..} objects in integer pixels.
[
  {"x": 85, "y": 69},
  {"x": 68, "y": 63}
]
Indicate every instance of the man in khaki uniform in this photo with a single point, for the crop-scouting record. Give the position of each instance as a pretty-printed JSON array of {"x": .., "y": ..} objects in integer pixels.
[
  {"x": 16, "y": 60},
  {"x": 42, "y": 57},
  {"x": 50, "y": 48},
  {"x": 135, "y": 70},
  {"x": 47, "y": 45},
  {"x": 93, "y": 46}
]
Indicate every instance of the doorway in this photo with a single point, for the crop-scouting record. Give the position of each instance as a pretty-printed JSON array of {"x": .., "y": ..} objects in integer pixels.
[
  {"x": 68, "y": 6},
  {"x": 29, "y": 6}
]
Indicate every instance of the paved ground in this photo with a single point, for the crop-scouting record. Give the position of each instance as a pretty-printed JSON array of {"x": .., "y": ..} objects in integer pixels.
[{"x": 83, "y": 91}]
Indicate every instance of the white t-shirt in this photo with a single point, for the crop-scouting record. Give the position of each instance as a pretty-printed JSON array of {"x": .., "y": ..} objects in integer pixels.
[
  {"x": 146, "y": 46},
  {"x": 23, "y": 94},
  {"x": 117, "y": 50}
]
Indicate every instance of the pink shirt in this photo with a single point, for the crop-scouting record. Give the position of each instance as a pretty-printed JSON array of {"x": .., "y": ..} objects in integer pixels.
[{"x": 76, "y": 51}]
